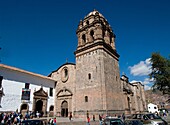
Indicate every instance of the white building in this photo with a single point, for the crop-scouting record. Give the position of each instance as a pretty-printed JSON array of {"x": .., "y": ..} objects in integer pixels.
[
  {"x": 24, "y": 91},
  {"x": 152, "y": 108}
]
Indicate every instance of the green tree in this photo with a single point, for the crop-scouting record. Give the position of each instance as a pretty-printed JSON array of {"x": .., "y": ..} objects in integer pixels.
[{"x": 160, "y": 73}]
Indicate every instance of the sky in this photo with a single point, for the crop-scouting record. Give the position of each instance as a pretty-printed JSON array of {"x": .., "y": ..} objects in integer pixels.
[{"x": 40, "y": 35}]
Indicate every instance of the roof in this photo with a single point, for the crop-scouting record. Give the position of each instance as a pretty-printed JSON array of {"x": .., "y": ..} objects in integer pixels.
[
  {"x": 60, "y": 67},
  {"x": 94, "y": 12},
  {"x": 2, "y": 66}
]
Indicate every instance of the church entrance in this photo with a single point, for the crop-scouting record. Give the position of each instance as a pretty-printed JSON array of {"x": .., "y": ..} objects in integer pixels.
[
  {"x": 39, "y": 105},
  {"x": 64, "y": 109},
  {"x": 40, "y": 102}
]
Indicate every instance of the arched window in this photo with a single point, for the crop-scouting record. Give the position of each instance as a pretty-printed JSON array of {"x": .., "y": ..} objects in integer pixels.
[
  {"x": 84, "y": 38},
  {"x": 65, "y": 73},
  {"x": 89, "y": 76},
  {"x": 87, "y": 22},
  {"x": 128, "y": 99},
  {"x": 92, "y": 34},
  {"x": 86, "y": 98},
  {"x": 103, "y": 34},
  {"x": 110, "y": 39}
]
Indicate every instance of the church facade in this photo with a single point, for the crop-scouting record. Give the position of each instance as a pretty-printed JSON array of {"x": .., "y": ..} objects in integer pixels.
[{"x": 93, "y": 85}]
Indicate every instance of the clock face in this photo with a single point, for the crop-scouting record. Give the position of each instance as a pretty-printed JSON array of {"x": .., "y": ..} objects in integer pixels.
[{"x": 64, "y": 74}]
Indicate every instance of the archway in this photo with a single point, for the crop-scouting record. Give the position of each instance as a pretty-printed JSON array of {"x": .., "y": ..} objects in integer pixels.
[
  {"x": 24, "y": 108},
  {"x": 51, "y": 111},
  {"x": 39, "y": 107},
  {"x": 64, "y": 109}
]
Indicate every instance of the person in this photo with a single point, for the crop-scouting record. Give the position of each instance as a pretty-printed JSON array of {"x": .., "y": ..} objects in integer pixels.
[
  {"x": 70, "y": 117},
  {"x": 51, "y": 121},
  {"x": 88, "y": 120},
  {"x": 93, "y": 117},
  {"x": 54, "y": 121},
  {"x": 37, "y": 114},
  {"x": 123, "y": 117},
  {"x": 164, "y": 115},
  {"x": 100, "y": 119}
]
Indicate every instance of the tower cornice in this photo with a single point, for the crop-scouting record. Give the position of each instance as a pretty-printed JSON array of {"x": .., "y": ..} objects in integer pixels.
[{"x": 95, "y": 46}]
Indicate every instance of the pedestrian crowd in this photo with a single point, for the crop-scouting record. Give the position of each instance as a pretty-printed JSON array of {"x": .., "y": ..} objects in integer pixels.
[
  {"x": 11, "y": 118},
  {"x": 14, "y": 118}
]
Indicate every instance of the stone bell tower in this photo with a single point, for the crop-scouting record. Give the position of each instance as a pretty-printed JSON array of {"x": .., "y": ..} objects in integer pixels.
[{"x": 97, "y": 85}]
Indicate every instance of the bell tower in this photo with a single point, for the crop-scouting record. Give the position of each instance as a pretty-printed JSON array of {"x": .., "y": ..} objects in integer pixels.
[
  {"x": 97, "y": 83},
  {"x": 93, "y": 28}
]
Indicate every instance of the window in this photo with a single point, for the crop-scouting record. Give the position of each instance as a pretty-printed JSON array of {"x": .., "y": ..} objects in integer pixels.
[
  {"x": 84, "y": 38},
  {"x": 92, "y": 34},
  {"x": 65, "y": 73},
  {"x": 87, "y": 22},
  {"x": 27, "y": 85},
  {"x": 89, "y": 76},
  {"x": 51, "y": 92},
  {"x": 86, "y": 98}
]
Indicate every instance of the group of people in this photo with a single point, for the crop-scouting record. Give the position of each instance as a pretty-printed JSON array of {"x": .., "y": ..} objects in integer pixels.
[
  {"x": 11, "y": 118},
  {"x": 15, "y": 118},
  {"x": 52, "y": 121}
]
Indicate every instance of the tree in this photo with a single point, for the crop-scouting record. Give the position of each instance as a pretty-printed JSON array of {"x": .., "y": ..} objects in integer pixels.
[{"x": 160, "y": 73}]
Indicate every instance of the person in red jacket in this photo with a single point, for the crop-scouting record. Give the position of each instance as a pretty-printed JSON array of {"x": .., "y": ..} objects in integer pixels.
[{"x": 88, "y": 120}]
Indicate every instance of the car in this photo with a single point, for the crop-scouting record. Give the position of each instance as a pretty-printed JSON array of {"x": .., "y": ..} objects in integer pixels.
[
  {"x": 133, "y": 122},
  {"x": 149, "y": 118},
  {"x": 112, "y": 121},
  {"x": 32, "y": 122}
]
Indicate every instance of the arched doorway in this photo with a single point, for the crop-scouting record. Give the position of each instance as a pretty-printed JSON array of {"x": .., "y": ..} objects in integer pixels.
[
  {"x": 40, "y": 101},
  {"x": 64, "y": 109},
  {"x": 51, "y": 111},
  {"x": 39, "y": 107},
  {"x": 24, "y": 108}
]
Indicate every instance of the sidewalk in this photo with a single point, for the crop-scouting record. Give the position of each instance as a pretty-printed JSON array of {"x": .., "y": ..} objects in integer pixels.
[{"x": 66, "y": 121}]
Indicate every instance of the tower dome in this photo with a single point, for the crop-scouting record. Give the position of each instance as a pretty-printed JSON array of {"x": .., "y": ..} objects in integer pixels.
[
  {"x": 93, "y": 13},
  {"x": 93, "y": 28}
]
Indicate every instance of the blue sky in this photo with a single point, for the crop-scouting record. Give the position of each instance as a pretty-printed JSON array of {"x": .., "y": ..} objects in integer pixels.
[{"x": 38, "y": 35}]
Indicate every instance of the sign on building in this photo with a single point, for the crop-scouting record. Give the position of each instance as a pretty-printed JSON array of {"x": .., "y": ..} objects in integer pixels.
[{"x": 25, "y": 97}]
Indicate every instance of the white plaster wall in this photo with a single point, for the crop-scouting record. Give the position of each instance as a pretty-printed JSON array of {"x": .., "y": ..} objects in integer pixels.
[
  {"x": 12, "y": 99},
  {"x": 152, "y": 108}
]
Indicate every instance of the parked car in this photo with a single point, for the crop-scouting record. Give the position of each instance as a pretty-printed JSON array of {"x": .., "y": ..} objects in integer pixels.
[
  {"x": 32, "y": 122},
  {"x": 149, "y": 118},
  {"x": 112, "y": 121},
  {"x": 133, "y": 122}
]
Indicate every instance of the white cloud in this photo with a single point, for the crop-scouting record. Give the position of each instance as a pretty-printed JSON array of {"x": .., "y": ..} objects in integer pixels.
[
  {"x": 141, "y": 69},
  {"x": 133, "y": 81},
  {"x": 146, "y": 87},
  {"x": 147, "y": 83}
]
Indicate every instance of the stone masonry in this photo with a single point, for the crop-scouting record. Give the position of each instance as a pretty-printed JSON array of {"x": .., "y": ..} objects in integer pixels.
[{"x": 93, "y": 85}]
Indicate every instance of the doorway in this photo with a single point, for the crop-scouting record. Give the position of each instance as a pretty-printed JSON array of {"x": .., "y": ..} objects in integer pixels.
[
  {"x": 39, "y": 107},
  {"x": 64, "y": 109},
  {"x": 24, "y": 109}
]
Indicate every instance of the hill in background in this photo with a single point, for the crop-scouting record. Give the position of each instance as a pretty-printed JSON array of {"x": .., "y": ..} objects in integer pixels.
[{"x": 156, "y": 97}]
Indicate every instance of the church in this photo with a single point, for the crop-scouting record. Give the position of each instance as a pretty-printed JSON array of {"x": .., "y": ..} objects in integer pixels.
[{"x": 91, "y": 86}]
